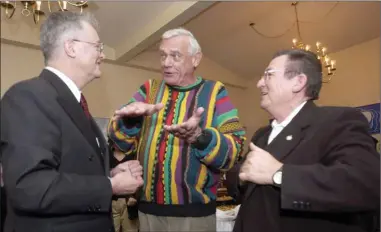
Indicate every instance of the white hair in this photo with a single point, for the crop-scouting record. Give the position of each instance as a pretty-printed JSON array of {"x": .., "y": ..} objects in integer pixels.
[{"x": 194, "y": 46}]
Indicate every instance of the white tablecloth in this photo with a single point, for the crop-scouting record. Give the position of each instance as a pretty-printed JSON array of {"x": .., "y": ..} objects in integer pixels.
[{"x": 226, "y": 219}]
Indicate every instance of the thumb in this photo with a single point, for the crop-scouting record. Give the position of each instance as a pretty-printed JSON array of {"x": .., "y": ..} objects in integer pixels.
[
  {"x": 154, "y": 108},
  {"x": 198, "y": 112},
  {"x": 252, "y": 146},
  {"x": 243, "y": 176},
  {"x": 159, "y": 106},
  {"x": 139, "y": 180}
]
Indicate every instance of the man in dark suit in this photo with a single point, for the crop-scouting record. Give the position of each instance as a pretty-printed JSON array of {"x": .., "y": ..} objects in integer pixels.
[
  {"x": 55, "y": 158},
  {"x": 314, "y": 168},
  {"x": 3, "y": 202}
]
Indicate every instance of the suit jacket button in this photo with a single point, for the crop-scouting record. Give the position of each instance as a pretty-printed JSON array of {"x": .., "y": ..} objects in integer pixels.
[
  {"x": 302, "y": 205},
  {"x": 91, "y": 157},
  {"x": 295, "y": 204}
]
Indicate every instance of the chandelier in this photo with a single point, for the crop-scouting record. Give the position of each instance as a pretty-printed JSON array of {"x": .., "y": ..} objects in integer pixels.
[
  {"x": 36, "y": 9},
  {"x": 328, "y": 65}
]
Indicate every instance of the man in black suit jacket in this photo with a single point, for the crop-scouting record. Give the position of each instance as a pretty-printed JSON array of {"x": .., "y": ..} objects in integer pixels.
[
  {"x": 314, "y": 168},
  {"x": 3, "y": 202},
  {"x": 55, "y": 158}
]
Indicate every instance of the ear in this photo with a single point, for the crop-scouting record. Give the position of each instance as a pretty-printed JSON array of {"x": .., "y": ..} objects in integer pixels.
[
  {"x": 69, "y": 48},
  {"x": 196, "y": 59},
  {"x": 300, "y": 83}
]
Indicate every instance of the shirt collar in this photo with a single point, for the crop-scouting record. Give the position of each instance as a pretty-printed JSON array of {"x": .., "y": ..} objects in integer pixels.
[
  {"x": 70, "y": 84},
  {"x": 285, "y": 122}
]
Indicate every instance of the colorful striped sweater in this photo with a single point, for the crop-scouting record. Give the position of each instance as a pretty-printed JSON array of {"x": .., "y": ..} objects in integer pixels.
[{"x": 180, "y": 180}]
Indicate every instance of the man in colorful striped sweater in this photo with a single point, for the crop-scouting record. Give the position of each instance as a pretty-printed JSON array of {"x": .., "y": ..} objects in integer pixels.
[{"x": 185, "y": 131}]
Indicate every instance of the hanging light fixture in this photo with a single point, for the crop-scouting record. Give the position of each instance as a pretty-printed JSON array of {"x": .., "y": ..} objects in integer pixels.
[
  {"x": 321, "y": 51},
  {"x": 329, "y": 65},
  {"x": 35, "y": 8}
]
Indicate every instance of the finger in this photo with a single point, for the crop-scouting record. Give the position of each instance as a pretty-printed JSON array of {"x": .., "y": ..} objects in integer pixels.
[
  {"x": 124, "y": 165},
  {"x": 187, "y": 126},
  {"x": 196, "y": 117},
  {"x": 253, "y": 147},
  {"x": 159, "y": 107},
  {"x": 243, "y": 176},
  {"x": 198, "y": 112},
  {"x": 127, "y": 111},
  {"x": 137, "y": 174},
  {"x": 178, "y": 135},
  {"x": 119, "y": 113},
  {"x": 181, "y": 130},
  {"x": 137, "y": 169},
  {"x": 151, "y": 109},
  {"x": 173, "y": 128},
  {"x": 121, "y": 168},
  {"x": 244, "y": 167},
  {"x": 133, "y": 163},
  {"x": 168, "y": 128},
  {"x": 139, "y": 180}
]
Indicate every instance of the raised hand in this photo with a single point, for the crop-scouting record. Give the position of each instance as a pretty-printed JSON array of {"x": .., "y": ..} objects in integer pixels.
[
  {"x": 188, "y": 130},
  {"x": 138, "y": 109}
]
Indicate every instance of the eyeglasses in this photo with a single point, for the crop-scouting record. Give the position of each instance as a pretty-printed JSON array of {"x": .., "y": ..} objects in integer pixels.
[
  {"x": 269, "y": 73},
  {"x": 98, "y": 45}
]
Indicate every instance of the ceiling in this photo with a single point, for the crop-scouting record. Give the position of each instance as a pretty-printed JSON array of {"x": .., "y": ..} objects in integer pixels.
[
  {"x": 126, "y": 18},
  {"x": 132, "y": 30},
  {"x": 226, "y": 37}
]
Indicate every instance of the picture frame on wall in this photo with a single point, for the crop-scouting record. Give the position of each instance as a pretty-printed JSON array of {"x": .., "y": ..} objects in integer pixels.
[{"x": 372, "y": 114}]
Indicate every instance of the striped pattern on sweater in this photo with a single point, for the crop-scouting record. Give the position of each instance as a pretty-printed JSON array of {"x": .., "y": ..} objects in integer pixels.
[{"x": 176, "y": 173}]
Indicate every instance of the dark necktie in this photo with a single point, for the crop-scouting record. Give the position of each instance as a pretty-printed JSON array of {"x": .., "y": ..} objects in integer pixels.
[{"x": 84, "y": 106}]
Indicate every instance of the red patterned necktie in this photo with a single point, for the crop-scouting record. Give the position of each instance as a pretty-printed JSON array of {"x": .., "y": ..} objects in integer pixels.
[{"x": 84, "y": 106}]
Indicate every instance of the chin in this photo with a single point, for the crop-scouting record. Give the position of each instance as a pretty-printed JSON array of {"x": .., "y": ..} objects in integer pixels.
[
  {"x": 97, "y": 74},
  {"x": 263, "y": 104},
  {"x": 171, "y": 80}
]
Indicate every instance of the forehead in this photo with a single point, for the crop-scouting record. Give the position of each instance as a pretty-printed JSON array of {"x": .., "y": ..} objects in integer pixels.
[
  {"x": 278, "y": 62},
  {"x": 89, "y": 32},
  {"x": 177, "y": 43}
]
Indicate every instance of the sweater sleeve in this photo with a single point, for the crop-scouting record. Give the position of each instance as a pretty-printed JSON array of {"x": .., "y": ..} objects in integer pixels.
[
  {"x": 124, "y": 132},
  {"x": 227, "y": 134}
]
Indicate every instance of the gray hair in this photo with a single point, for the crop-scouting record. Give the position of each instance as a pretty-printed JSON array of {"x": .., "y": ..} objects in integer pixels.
[
  {"x": 194, "y": 46},
  {"x": 58, "y": 26}
]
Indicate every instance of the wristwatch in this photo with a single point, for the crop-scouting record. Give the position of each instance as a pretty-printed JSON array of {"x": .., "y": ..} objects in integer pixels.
[
  {"x": 277, "y": 177},
  {"x": 203, "y": 140}
]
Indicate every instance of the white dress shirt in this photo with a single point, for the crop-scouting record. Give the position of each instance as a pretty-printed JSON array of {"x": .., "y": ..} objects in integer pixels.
[
  {"x": 70, "y": 84},
  {"x": 278, "y": 127}
]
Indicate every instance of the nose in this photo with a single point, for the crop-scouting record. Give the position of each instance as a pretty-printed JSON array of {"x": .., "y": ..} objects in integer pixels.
[
  {"x": 261, "y": 83},
  {"x": 167, "y": 62},
  {"x": 102, "y": 55}
]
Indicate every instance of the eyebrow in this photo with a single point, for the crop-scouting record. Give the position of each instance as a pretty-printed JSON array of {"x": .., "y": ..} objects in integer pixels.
[{"x": 268, "y": 69}]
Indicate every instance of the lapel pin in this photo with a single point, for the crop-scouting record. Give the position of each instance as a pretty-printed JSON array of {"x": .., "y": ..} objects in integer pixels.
[{"x": 289, "y": 137}]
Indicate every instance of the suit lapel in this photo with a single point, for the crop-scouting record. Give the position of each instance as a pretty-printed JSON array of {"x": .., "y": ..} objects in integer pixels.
[
  {"x": 70, "y": 104},
  {"x": 288, "y": 139},
  {"x": 291, "y": 136},
  {"x": 104, "y": 151}
]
